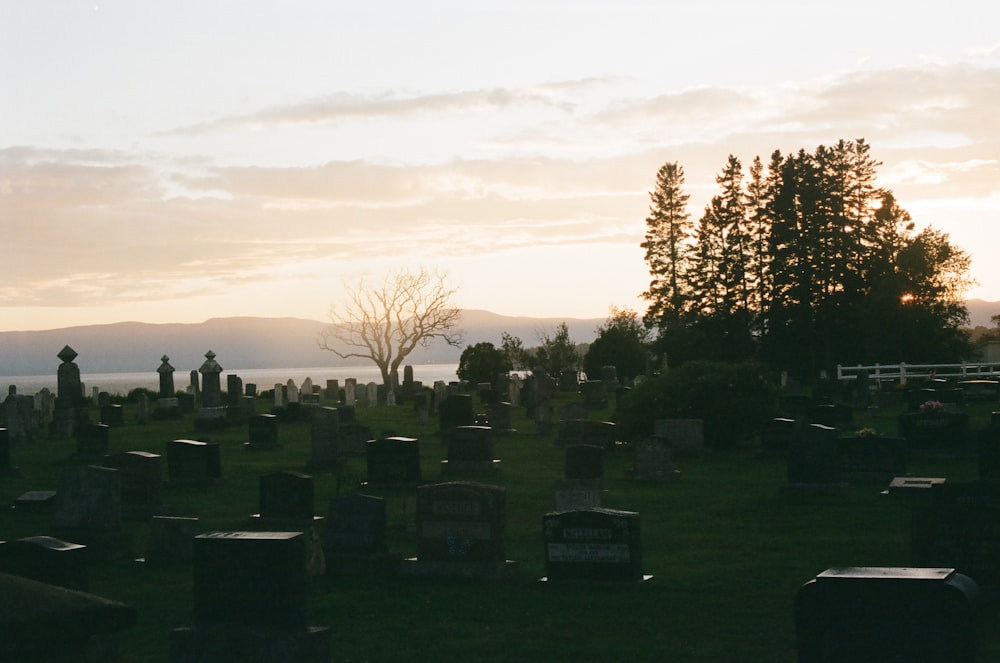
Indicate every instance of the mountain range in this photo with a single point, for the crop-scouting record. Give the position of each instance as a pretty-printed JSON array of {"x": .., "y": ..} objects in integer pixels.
[
  {"x": 248, "y": 342},
  {"x": 244, "y": 342}
]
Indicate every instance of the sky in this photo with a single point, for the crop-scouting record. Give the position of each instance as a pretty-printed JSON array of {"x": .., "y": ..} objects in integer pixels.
[{"x": 183, "y": 160}]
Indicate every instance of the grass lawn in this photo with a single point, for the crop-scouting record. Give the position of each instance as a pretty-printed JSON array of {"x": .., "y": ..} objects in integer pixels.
[{"x": 726, "y": 547}]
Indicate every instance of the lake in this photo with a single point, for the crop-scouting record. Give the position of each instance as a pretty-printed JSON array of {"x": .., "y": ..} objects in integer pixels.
[{"x": 264, "y": 378}]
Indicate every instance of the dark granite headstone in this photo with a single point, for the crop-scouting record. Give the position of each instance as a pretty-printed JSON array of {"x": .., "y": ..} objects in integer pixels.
[
  {"x": 92, "y": 440},
  {"x": 812, "y": 459},
  {"x": 324, "y": 437},
  {"x": 873, "y": 458},
  {"x": 354, "y": 538},
  {"x": 470, "y": 451},
  {"x": 286, "y": 497},
  {"x": 461, "y": 521},
  {"x": 87, "y": 510},
  {"x": 887, "y": 614},
  {"x": 263, "y": 432},
  {"x": 592, "y": 546},
  {"x": 653, "y": 460},
  {"x": 46, "y": 559},
  {"x": 584, "y": 461},
  {"x": 193, "y": 460},
  {"x": 141, "y": 477},
  {"x": 777, "y": 436},
  {"x": 393, "y": 461},
  {"x": 936, "y": 433},
  {"x": 959, "y": 527},
  {"x": 35, "y": 500},
  {"x": 171, "y": 540}
]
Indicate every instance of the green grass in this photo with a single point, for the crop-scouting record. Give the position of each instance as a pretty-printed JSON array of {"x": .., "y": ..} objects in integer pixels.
[{"x": 726, "y": 547}]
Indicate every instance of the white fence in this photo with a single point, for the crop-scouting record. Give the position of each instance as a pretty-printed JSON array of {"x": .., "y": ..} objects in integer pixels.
[{"x": 900, "y": 372}]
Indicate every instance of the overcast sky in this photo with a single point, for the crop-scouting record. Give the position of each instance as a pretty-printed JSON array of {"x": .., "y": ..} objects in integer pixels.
[{"x": 176, "y": 161}]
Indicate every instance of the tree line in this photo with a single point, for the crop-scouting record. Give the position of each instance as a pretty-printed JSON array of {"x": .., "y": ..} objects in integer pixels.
[{"x": 803, "y": 264}]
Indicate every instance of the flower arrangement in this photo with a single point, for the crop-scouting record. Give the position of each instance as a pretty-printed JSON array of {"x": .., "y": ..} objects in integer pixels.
[
  {"x": 932, "y": 407},
  {"x": 867, "y": 432}
]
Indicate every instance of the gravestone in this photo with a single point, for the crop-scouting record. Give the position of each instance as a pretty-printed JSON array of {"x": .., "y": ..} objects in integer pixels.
[
  {"x": 141, "y": 475},
  {"x": 35, "y": 500},
  {"x": 454, "y": 411},
  {"x": 112, "y": 414},
  {"x": 887, "y": 614},
  {"x": 69, "y": 395},
  {"x": 777, "y": 436},
  {"x": 5, "y": 464},
  {"x": 307, "y": 393},
  {"x": 592, "y": 546},
  {"x": 143, "y": 414},
  {"x": 332, "y": 392},
  {"x": 936, "y": 433},
  {"x": 460, "y": 531},
  {"x": 292, "y": 394},
  {"x": 279, "y": 395},
  {"x": 87, "y": 510},
  {"x": 286, "y": 498},
  {"x": 170, "y": 541},
  {"x": 653, "y": 461},
  {"x": 46, "y": 559},
  {"x": 393, "y": 461},
  {"x": 470, "y": 451},
  {"x": 958, "y": 526},
  {"x": 595, "y": 394},
  {"x": 211, "y": 382},
  {"x": 575, "y": 494},
  {"x": 354, "y": 538},
  {"x": 166, "y": 377},
  {"x": 872, "y": 458},
  {"x": 263, "y": 433},
  {"x": 50, "y": 624},
  {"x": 584, "y": 461},
  {"x": 324, "y": 437},
  {"x": 813, "y": 463},
  {"x": 234, "y": 390},
  {"x": 501, "y": 417},
  {"x": 916, "y": 487},
  {"x": 989, "y": 452},
  {"x": 350, "y": 391},
  {"x": 371, "y": 394},
  {"x": 92, "y": 441},
  {"x": 193, "y": 461},
  {"x": 685, "y": 436},
  {"x": 250, "y": 602}
]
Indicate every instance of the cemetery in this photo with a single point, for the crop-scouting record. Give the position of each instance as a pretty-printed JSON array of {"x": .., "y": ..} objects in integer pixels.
[{"x": 340, "y": 524}]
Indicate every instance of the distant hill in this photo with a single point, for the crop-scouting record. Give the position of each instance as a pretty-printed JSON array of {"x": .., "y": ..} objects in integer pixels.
[
  {"x": 980, "y": 312},
  {"x": 242, "y": 343}
]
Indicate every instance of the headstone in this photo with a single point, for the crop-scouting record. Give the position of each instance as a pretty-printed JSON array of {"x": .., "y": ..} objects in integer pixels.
[
  {"x": 168, "y": 408},
  {"x": 501, "y": 417},
  {"x": 871, "y": 458},
  {"x": 193, "y": 461},
  {"x": 250, "y": 601},
  {"x": 92, "y": 441},
  {"x": 250, "y": 389},
  {"x": 575, "y": 494},
  {"x": 685, "y": 436},
  {"x": 653, "y": 460},
  {"x": 166, "y": 374},
  {"x": 195, "y": 385},
  {"x": 292, "y": 391},
  {"x": 584, "y": 461},
  {"x": 371, "y": 394},
  {"x": 958, "y": 526},
  {"x": 812, "y": 460},
  {"x": 263, "y": 433},
  {"x": 5, "y": 464},
  {"x": 306, "y": 392},
  {"x": 887, "y": 614},
  {"x": 170, "y": 540},
  {"x": 354, "y": 538},
  {"x": 595, "y": 394},
  {"x": 393, "y": 461},
  {"x": 569, "y": 380},
  {"x": 140, "y": 475},
  {"x": 279, "y": 395},
  {"x": 936, "y": 433},
  {"x": 35, "y": 500},
  {"x": 592, "y": 546},
  {"x": 456, "y": 410},
  {"x": 234, "y": 389},
  {"x": 112, "y": 414},
  {"x": 211, "y": 382},
  {"x": 989, "y": 452},
  {"x": 350, "y": 391},
  {"x": 143, "y": 413},
  {"x": 332, "y": 391},
  {"x": 460, "y": 531},
  {"x": 69, "y": 398},
  {"x": 46, "y": 559},
  {"x": 286, "y": 497},
  {"x": 470, "y": 451},
  {"x": 776, "y": 437},
  {"x": 88, "y": 511},
  {"x": 324, "y": 435}
]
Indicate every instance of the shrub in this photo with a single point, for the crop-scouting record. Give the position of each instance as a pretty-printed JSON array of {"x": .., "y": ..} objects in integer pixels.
[{"x": 733, "y": 401}]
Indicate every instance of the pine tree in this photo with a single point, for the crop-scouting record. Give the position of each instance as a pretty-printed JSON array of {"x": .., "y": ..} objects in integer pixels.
[{"x": 667, "y": 239}]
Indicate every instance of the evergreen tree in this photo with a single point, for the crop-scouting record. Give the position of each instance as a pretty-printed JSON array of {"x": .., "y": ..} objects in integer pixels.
[{"x": 668, "y": 233}]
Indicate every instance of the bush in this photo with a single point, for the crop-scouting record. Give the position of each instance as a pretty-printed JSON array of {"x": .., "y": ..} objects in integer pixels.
[
  {"x": 481, "y": 363},
  {"x": 733, "y": 401}
]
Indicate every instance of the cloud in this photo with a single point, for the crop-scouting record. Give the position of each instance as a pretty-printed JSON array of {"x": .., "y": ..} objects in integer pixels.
[{"x": 345, "y": 106}]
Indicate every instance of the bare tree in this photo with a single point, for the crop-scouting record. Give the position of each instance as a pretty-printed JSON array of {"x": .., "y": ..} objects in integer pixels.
[{"x": 385, "y": 323}]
